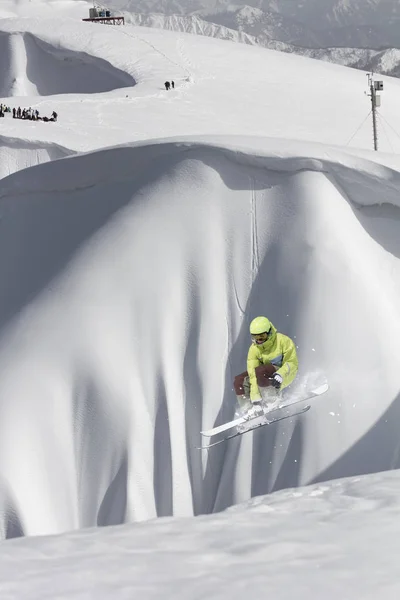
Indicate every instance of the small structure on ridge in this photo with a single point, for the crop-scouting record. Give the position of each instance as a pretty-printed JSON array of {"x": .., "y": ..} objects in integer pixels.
[{"x": 98, "y": 14}]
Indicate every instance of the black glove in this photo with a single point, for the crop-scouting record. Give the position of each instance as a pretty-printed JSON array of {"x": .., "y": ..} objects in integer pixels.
[{"x": 276, "y": 381}]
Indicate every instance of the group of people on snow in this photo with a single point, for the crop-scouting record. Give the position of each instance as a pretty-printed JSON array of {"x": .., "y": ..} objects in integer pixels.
[
  {"x": 30, "y": 114},
  {"x": 169, "y": 84}
]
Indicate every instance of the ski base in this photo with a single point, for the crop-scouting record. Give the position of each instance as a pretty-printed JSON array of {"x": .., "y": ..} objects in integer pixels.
[{"x": 257, "y": 426}]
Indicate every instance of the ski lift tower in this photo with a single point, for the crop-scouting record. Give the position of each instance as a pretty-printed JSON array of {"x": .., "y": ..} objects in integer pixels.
[
  {"x": 98, "y": 14},
  {"x": 374, "y": 86}
]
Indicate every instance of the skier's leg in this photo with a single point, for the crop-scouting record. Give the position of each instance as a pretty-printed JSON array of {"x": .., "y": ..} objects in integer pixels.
[
  {"x": 238, "y": 383},
  {"x": 270, "y": 395},
  {"x": 246, "y": 386},
  {"x": 241, "y": 386},
  {"x": 264, "y": 373},
  {"x": 252, "y": 408}
]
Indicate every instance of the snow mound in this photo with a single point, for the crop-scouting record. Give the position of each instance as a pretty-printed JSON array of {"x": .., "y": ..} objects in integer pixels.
[
  {"x": 107, "y": 373},
  {"x": 30, "y": 66}
]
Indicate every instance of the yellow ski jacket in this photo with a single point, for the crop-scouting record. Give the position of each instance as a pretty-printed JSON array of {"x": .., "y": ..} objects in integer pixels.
[{"x": 279, "y": 350}]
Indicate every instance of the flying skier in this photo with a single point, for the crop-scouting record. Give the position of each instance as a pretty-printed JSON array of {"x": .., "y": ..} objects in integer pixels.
[{"x": 271, "y": 366}]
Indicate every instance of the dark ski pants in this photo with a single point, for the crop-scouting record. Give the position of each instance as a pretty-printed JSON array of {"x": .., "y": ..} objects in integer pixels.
[{"x": 241, "y": 383}]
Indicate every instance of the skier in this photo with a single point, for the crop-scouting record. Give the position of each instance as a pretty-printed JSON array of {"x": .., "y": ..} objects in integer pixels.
[{"x": 271, "y": 365}]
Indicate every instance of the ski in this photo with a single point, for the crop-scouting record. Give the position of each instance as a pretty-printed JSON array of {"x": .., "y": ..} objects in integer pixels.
[
  {"x": 223, "y": 427},
  {"x": 241, "y": 420},
  {"x": 263, "y": 424}
]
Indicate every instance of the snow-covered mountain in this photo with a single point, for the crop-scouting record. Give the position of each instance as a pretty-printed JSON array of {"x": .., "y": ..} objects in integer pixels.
[
  {"x": 370, "y": 24},
  {"x": 192, "y": 24},
  {"x": 312, "y": 23},
  {"x": 101, "y": 381},
  {"x": 251, "y": 25},
  {"x": 379, "y": 61},
  {"x": 140, "y": 234},
  {"x": 266, "y": 25}
]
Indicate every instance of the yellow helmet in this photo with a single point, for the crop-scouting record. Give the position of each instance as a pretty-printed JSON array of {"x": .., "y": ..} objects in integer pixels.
[{"x": 260, "y": 325}]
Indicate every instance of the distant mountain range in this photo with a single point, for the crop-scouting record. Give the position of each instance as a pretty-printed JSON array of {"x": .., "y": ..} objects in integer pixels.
[
  {"x": 385, "y": 61},
  {"x": 363, "y": 34},
  {"x": 310, "y": 23}
]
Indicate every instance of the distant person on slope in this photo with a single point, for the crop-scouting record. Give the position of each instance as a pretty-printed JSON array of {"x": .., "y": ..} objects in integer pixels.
[{"x": 271, "y": 366}]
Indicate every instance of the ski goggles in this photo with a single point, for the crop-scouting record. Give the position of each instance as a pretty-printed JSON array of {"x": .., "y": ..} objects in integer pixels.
[{"x": 260, "y": 338}]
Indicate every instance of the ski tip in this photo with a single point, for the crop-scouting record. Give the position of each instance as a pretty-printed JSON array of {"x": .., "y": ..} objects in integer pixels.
[{"x": 207, "y": 432}]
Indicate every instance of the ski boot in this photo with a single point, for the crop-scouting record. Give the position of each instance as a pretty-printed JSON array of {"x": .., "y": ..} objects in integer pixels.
[
  {"x": 271, "y": 398},
  {"x": 256, "y": 410}
]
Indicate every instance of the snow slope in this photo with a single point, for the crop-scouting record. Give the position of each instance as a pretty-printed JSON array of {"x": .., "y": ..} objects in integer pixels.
[
  {"x": 281, "y": 96},
  {"x": 314, "y": 24},
  {"x": 386, "y": 61},
  {"x": 330, "y": 540},
  {"x": 132, "y": 268}
]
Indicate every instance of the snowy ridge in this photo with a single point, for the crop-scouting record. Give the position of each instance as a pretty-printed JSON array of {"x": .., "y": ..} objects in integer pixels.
[
  {"x": 386, "y": 61},
  {"x": 314, "y": 23},
  {"x": 273, "y": 155},
  {"x": 191, "y": 24},
  {"x": 278, "y": 31},
  {"x": 91, "y": 316},
  {"x": 16, "y": 154}
]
